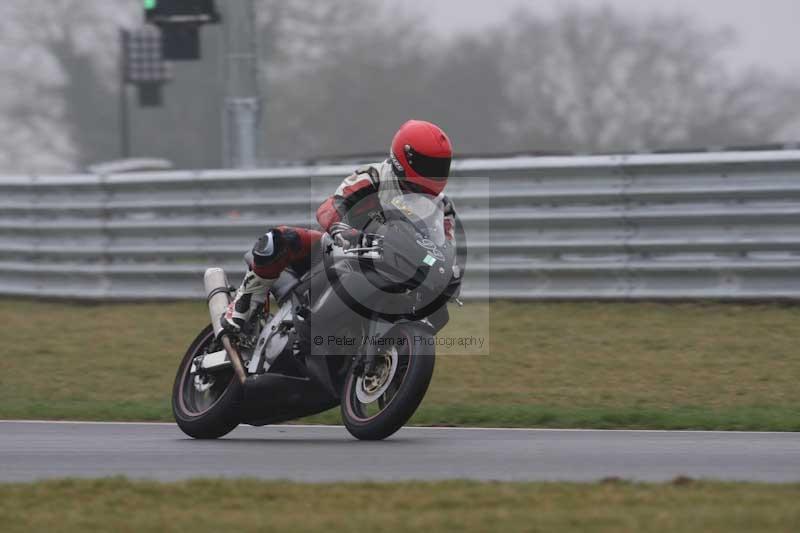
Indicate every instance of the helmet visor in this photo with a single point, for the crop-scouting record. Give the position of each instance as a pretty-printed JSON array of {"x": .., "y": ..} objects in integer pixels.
[{"x": 434, "y": 168}]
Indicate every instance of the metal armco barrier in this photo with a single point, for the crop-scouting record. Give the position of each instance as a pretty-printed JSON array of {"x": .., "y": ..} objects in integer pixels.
[{"x": 679, "y": 226}]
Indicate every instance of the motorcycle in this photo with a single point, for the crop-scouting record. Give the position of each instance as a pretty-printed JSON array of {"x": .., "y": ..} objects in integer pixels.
[{"x": 354, "y": 328}]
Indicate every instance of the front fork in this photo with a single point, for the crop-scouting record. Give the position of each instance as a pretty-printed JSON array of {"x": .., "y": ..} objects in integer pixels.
[{"x": 367, "y": 363}]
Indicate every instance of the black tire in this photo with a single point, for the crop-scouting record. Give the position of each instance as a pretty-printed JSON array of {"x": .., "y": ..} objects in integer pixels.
[
  {"x": 411, "y": 388},
  {"x": 220, "y": 417}
]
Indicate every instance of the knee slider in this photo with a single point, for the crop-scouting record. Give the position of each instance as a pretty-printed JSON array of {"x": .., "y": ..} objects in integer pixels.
[{"x": 268, "y": 248}]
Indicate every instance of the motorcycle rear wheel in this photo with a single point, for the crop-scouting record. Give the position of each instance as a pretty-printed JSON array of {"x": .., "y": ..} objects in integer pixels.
[
  {"x": 408, "y": 385},
  {"x": 208, "y": 414}
]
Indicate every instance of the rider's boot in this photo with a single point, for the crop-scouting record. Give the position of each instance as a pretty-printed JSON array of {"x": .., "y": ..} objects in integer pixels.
[{"x": 252, "y": 293}]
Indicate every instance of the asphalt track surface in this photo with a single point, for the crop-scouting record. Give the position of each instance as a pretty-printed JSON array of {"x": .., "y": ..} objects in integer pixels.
[{"x": 41, "y": 450}]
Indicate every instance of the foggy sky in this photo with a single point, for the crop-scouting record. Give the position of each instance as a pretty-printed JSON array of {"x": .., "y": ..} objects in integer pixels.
[{"x": 767, "y": 29}]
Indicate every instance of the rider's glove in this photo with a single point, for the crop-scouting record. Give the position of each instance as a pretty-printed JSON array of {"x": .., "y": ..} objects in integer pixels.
[{"x": 346, "y": 236}]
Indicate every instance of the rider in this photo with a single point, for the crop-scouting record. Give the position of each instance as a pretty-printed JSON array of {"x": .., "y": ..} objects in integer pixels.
[{"x": 419, "y": 161}]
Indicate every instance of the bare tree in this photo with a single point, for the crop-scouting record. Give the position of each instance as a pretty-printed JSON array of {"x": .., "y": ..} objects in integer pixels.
[
  {"x": 47, "y": 52},
  {"x": 597, "y": 81},
  {"x": 300, "y": 35},
  {"x": 340, "y": 78},
  {"x": 464, "y": 90},
  {"x": 321, "y": 59}
]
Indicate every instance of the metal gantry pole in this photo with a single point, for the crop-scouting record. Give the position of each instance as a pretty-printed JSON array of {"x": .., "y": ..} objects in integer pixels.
[
  {"x": 243, "y": 107},
  {"x": 124, "y": 111}
]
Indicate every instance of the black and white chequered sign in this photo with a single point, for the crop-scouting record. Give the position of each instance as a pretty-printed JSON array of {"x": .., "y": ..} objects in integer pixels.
[{"x": 144, "y": 62}]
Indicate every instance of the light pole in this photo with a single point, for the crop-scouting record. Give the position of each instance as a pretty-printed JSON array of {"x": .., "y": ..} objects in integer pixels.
[
  {"x": 242, "y": 125},
  {"x": 124, "y": 117}
]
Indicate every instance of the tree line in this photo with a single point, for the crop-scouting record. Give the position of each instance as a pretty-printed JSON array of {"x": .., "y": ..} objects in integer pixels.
[{"x": 339, "y": 78}]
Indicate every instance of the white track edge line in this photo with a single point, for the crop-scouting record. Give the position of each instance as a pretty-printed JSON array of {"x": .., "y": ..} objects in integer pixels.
[{"x": 429, "y": 428}]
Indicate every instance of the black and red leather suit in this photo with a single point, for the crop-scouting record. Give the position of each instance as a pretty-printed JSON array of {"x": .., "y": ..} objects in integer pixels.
[{"x": 355, "y": 198}]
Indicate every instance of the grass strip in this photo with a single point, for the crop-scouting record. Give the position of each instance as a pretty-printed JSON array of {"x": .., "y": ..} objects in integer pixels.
[
  {"x": 247, "y": 505},
  {"x": 593, "y": 365}
]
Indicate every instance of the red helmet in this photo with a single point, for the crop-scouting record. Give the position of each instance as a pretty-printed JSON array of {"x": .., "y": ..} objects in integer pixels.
[{"x": 421, "y": 156}]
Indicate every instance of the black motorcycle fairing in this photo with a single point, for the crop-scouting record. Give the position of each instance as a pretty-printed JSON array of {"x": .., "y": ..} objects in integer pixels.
[
  {"x": 402, "y": 265},
  {"x": 417, "y": 255},
  {"x": 323, "y": 307},
  {"x": 439, "y": 319},
  {"x": 284, "y": 398},
  {"x": 379, "y": 328}
]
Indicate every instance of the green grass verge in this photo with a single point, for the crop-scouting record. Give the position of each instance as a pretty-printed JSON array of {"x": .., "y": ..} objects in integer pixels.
[
  {"x": 615, "y": 365},
  {"x": 243, "y": 505}
]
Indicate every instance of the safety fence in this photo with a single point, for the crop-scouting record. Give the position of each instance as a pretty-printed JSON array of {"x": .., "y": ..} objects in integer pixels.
[{"x": 679, "y": 226}]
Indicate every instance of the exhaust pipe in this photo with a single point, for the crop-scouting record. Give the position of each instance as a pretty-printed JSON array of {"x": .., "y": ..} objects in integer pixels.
[{"x": 219, "y": 296}]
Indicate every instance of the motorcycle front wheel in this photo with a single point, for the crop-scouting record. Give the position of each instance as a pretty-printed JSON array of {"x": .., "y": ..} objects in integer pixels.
[
  {"x": 378, "y": 403},
  {"x": 205, "y": 406}
]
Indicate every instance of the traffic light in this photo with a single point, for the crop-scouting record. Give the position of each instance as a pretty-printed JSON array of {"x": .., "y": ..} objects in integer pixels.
[
  {"x": 180, "y": 22},
  {"x": 181, "y": 12}
]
